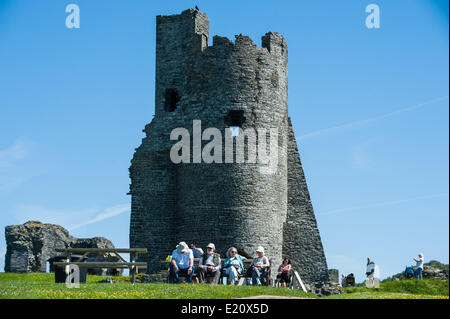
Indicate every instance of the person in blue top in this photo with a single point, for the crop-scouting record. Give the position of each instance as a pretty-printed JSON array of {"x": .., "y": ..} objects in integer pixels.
[
  {"x": 182, "y": 263},
  {"x": 233, "y": 265},
  {"x": 370, "y": 269},
  {"x": 198, "y": 252}
]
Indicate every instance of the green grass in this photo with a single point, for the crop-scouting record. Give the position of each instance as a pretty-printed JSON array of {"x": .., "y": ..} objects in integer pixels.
[
  {"x": 405, "y": 289},
  {"x": 42, "y": 286}
]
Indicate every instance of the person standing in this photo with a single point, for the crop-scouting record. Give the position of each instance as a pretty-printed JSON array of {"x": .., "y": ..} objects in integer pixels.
[
  {"x": 419, "y": 266},
  {"x": 370, "y": 270}
]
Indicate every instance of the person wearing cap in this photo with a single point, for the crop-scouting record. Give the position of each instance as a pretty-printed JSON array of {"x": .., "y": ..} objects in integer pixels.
[
  {"x": 182, "y": 263},
  {"x": 259, "y": 266},
  {"x": 210, "y": 265},
  {"x": 233, "y": 265}
]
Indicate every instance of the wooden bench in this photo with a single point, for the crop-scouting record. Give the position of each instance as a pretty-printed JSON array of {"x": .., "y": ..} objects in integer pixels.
[
  {"x": 132, "y": 264},
  {"x": 241, "y": 281}
]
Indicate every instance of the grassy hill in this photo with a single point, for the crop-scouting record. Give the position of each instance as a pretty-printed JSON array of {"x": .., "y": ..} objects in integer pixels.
[
  {"x": 405, "y": 289},
  {"x": 42, "y": 286},
  {"x": 432, "y": 263}
]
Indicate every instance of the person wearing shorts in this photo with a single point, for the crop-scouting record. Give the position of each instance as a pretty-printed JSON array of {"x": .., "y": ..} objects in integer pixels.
[{"x": 283, "y": 273}]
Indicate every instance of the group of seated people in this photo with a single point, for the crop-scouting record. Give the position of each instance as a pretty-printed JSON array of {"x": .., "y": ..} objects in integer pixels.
[{"x": 210, "y": 264}]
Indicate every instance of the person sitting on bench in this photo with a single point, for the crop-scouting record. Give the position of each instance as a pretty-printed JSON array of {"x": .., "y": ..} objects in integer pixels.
[
  {"x": 233, "y": 265},
  {"x": 259, "y": 266},
  {"x": 182, "y": 263},
  {"x": 210, "y": 265},
  {"x": 198, "y": 252},
  {"x": 283, "y": 273}
]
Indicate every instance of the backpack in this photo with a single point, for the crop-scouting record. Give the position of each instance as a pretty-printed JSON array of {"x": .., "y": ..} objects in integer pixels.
[{"x": 409, "y": 272}]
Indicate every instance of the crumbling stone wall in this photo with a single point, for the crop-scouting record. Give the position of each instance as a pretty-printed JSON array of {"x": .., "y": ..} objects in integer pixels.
[
  {"x": 230, "y": 204},
  {"x": 30, "y": 245},
  {"x": 301, "y": 238}
]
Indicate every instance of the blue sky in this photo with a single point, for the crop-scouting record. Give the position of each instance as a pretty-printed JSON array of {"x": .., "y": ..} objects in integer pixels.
[{"x": 369, "y": 107}]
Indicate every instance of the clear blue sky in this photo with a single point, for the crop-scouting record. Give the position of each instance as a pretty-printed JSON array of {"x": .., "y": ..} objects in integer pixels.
[{"x": 369, "y": 106}]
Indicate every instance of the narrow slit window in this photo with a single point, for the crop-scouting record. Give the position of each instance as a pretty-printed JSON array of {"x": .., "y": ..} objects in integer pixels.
[{"x": 171, "y": 98}]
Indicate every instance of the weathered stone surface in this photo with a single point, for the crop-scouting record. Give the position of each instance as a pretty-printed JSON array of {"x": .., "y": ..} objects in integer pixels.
[
  {"x": 230, "y": 204},
  {"x": 322, "y": 289},
  {"x": 159, "y": 277},
  {"x": 434, "y": 273},
  {"x": 30, "y": 245},
  {"x": 334, "y": 275}
]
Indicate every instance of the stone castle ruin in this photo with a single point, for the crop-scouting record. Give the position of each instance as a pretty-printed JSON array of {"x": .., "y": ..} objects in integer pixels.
[
  {"x": 230, "y": 204},
  {"x": 32, "y": 244}
]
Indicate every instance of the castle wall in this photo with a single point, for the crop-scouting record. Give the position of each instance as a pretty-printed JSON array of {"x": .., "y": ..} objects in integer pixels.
[
  {"x": 153, "y": 206},
  {"x": 301, "y": 237},
  {"x": 230, "y": 204}
]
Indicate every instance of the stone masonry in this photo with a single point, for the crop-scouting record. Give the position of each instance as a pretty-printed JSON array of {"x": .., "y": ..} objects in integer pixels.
[
  {"x": 31, "y": 244},
  {"x": 230, "y": 204}
]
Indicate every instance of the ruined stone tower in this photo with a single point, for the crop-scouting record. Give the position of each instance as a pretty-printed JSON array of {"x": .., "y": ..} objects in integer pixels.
[{"x": 230, "y": 204}]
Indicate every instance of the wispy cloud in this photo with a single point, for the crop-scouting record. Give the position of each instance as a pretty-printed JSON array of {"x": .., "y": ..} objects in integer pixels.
[
  {"x": 20, "y": 149},
  {"x": 12, "y": 172},
  {"x": 361, "y": 123},
  {"x": 105, "y": 214},
  {"x": 68, "y": 218},
  {"x": 375, "y": 205}
]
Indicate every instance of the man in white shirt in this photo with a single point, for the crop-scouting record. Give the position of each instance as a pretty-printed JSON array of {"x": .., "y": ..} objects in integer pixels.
[
  {"x": 182, "y": 263},
  {"x": 210, "y": 264}
]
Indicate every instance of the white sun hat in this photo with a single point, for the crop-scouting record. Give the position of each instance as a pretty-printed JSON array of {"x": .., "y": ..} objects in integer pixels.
[{"x": 182, "y": 247}]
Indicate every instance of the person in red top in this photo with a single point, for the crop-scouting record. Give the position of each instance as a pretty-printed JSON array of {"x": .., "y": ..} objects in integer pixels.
[{"x": 283, "y": 276}]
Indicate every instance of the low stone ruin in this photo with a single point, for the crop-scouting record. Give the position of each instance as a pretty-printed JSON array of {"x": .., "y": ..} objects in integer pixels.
[
  {"x": 430, "y": 272},
  {"x": 30, "y": 245}
]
